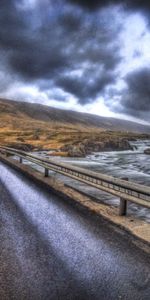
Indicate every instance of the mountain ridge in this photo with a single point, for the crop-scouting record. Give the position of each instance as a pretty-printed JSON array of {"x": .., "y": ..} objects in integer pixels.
[{"x": 46, "y": 113}]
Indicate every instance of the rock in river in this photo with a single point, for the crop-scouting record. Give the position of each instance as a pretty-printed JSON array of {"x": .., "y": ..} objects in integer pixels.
[{"x": 147, "y": 151}]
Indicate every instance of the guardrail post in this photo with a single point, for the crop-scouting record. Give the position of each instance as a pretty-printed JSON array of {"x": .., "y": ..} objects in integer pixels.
[
  {"x": 46, "y": 172},
  {"x": 20, "y": 160},
  {"x": 123, "y": 204}
]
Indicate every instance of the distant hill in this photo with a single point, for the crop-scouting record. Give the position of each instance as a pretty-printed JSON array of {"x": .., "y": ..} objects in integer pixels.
[
  {"x": 38, "y": 112},
  {"x": 34, "y": 126}
]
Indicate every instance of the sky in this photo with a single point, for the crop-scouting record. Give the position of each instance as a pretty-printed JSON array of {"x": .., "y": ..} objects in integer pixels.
[{"x": 86, "y": 55}]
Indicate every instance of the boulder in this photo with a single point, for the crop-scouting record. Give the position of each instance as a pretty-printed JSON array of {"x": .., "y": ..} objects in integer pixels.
[
  {"x": 76, "y": 151},
  {"x": 147, "y": 151}
]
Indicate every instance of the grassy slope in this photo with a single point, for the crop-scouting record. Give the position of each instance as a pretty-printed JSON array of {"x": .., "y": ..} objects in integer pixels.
[{"x": 49, "y": 128}]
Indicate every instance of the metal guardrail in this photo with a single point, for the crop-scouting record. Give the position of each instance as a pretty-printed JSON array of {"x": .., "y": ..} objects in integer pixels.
[{"x": 125, "y": 190}]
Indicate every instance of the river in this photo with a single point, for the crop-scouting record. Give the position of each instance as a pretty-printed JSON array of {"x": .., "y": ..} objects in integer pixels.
[{"x": 132, "y": 164}]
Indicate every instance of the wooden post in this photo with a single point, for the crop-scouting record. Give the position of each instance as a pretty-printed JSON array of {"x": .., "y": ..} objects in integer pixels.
[
  {"x": 123, "y": 204},
  {"x": 46, "y": 172}
]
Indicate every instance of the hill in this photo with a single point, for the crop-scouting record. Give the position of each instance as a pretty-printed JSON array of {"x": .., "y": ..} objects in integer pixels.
[
  {"x": 35, "y": 126},
  {"x": 48, "y": 114}
]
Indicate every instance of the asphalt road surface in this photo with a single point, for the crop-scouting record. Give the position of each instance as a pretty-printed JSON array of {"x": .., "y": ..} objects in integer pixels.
[{"x": 52, "y": 250}]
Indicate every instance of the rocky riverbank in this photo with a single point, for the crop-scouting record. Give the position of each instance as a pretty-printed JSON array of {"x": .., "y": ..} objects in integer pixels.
[
  {"x": 81, "y": 144},
  {"x": 86, "y": 147}
]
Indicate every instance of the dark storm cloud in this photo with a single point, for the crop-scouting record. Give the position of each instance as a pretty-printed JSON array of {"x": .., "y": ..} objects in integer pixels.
[
  {"x": 138, "y": 97},
  {"x": 86, "y": 88},
  {"x": 90, "y": 5},
  {"x": 47, "y": 43},
  {"x": 95, "y": 4},
  {"x": 135, "y": 99},
  {"x": 32, "y": 52}
]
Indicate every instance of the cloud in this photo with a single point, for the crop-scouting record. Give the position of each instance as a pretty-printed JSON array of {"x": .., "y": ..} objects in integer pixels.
[
  {"x": 134, "y": 100},
  {"x": 46, "y": 44},
  {"x": 139, "y": 88},
  {"x": 90, "y": 5},
  {"x": 86, "y": 87},
  {"x": 95, "y": 4}
]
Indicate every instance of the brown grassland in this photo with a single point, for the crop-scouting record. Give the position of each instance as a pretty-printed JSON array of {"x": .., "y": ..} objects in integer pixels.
[{"x": 19, "y": 129}]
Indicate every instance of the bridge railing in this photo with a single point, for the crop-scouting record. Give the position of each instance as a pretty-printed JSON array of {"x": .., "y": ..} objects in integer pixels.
[{"x": 125, "y": 190}]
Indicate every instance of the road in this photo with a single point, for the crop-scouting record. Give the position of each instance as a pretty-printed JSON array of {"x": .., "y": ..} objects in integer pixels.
[{"x": 52, "y": 250}]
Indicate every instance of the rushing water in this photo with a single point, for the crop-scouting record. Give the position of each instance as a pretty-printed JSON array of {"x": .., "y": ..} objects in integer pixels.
[{"x": 132, "y": 164}]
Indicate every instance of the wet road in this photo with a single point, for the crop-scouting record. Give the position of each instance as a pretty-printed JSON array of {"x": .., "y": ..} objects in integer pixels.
[{"x": 51, "y": 250}]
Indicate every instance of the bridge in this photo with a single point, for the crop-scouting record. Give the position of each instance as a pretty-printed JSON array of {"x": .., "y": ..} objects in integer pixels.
[
  {"x": 121, "y": 188},
  {"x": 50, "y": 249}
]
